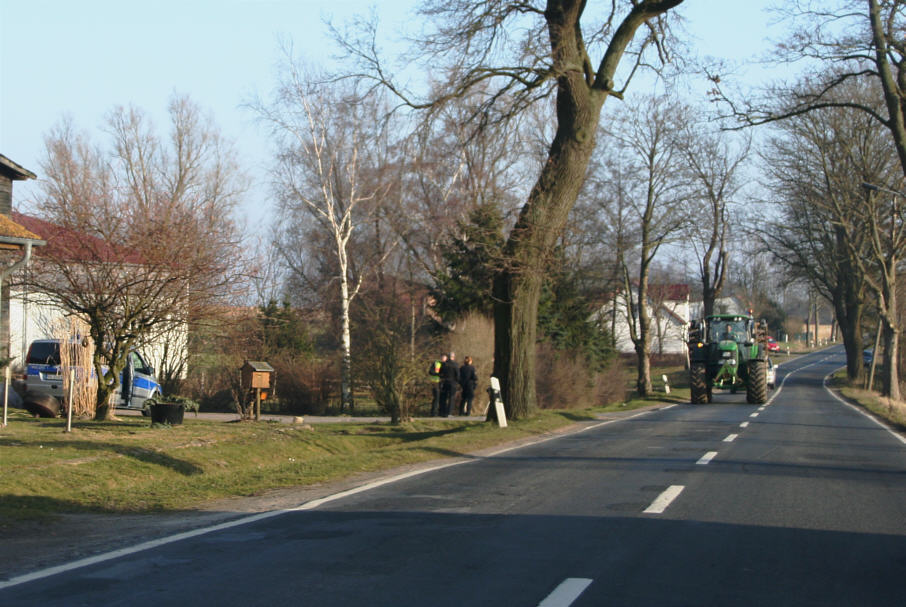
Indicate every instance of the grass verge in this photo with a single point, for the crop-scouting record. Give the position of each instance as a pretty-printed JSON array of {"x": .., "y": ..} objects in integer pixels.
[
  {"x": 127, "y": 466},
  {"x": 892, "y": 411}
]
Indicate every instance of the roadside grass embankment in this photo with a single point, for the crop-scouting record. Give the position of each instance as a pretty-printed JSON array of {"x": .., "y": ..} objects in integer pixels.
[
  {"x": 126, "y": 466},
  {"x": 892, "y": 411}
]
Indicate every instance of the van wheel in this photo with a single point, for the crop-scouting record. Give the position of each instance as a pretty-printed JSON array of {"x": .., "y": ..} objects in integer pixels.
[{"x": 40, "y": 404}]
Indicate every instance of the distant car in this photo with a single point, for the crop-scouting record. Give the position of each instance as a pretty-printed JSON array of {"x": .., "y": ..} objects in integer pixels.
[
  {"x": 771, "y": 374},
  {"x": 773, "y": 346},
  {"x": 868, "y": 355}
]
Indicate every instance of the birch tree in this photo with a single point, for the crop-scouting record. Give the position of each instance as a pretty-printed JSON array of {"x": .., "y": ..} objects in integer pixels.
[{"x": 323, "y": 133}]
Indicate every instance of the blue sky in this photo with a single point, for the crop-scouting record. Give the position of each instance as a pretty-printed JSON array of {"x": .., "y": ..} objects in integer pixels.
[{"x": 59, "y": 57}]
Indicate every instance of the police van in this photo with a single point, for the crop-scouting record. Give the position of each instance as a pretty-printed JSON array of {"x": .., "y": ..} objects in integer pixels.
[{"x": 42, "y": 374}]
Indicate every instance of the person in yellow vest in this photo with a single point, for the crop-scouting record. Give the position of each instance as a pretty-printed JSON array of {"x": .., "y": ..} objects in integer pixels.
[{"x": 434, "y": 378}]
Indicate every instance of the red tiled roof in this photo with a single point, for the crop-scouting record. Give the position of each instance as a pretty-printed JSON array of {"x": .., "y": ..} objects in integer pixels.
[
  {"x": 674, "y": 292},
  {"x": 70, "y": 245}
]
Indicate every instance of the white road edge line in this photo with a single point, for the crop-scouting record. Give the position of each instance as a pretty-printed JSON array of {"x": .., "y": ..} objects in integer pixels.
[
  {"x": 567, "y": 592},
  {"x": 310, "y": 505},
  {"x": 730, "y": 438},
  {"x": 897, "y": 436},
  {"x": 705, "y": 459},
  {"x": 666, "y": 498}
]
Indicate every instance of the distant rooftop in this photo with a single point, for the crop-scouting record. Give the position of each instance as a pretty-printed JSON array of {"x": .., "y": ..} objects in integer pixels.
[{"x": 14, "y": 171}]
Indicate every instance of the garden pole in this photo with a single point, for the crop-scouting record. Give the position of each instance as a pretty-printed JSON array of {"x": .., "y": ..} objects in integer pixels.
[
  {"x": 69, "y": 401},
  {"x": 5, "y": 396}
]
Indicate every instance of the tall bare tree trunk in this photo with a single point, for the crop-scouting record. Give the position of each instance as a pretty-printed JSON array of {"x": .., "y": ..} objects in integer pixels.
[
  {"x": 346, "y": 402},
  {"x": 891, "y": 331}
]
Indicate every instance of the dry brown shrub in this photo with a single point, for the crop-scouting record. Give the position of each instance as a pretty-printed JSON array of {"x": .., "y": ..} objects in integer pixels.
[
  {"x": 303, "y": 386},
  {"x": 474, "y": 336},
  {"x": 76, "y": 355},
  {"x": 564, "y": 381}
]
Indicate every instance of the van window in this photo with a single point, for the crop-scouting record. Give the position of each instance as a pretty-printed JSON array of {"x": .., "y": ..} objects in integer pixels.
[{"x": 43, "y": 353}]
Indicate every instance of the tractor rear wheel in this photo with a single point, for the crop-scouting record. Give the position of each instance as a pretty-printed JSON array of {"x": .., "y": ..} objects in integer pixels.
[
  {"x": 757, "y": 383},
  {"x": 698, "y": 384}
]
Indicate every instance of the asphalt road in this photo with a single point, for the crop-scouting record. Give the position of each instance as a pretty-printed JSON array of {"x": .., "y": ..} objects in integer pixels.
[{"x": 800, "y": 502}]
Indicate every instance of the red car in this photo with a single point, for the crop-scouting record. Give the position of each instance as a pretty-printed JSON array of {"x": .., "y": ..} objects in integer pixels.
[{"x": 773, "y": 346}]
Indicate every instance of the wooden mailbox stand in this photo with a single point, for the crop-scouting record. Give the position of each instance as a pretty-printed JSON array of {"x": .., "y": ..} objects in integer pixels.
[{"x": 257, "y": 376}]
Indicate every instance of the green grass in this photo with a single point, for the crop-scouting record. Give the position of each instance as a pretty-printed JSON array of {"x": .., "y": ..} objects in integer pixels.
[{"x": 127, "y": 466}]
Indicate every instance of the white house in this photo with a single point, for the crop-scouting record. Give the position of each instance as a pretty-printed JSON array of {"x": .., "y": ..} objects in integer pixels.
[
  {"x": 34, "y": 315},
  {"x": 722, "y": 305},
  {"x": 669, "y": 310}
]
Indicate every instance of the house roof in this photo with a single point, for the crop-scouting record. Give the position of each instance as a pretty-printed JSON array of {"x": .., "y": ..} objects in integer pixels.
[
  {"x": 674, "y": 292},
  {"x": 14, "y": 171},
  {"x": 71, "y": 245},
  {"x": 9, "y": 230}
]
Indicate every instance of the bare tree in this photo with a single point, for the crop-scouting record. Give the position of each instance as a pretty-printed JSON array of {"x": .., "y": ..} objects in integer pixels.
[
  {"x": 714, "y": 165},
  {"x": 472, "y": 45},
  {"x": 815, "y": 165},
  {"x": 649, "y": 195},
  {"x": 324, "y": 133},
  {"x": 141, "y": 235},
  {"x": 855, "y": 43}
]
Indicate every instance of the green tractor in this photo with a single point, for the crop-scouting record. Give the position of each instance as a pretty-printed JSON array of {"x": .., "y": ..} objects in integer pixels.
[{"x": 727, "y": 351}]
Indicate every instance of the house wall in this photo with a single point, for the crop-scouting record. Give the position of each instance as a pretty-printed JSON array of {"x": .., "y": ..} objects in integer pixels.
[
  {"x": 6, "y": 194},
  {"x": 33, "y": 317},
  {"x": 669, "y": 336}
]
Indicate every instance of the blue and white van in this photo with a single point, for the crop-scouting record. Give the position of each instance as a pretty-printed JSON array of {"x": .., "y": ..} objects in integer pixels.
[{"x": 42, "y": 374}]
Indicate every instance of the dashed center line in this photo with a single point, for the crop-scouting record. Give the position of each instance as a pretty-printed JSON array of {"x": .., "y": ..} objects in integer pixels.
[
  {"x": 744, "y": 425},
  {"x": 566, "y": 593},
  {"x": 706, "y": 458},
  {"x": 730, "y": 438},
  {"x": 754, "y": 414},
  {"x": 662, "y": 501}
]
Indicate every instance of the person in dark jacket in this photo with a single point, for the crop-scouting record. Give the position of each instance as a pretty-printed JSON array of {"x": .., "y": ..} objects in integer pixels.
[
  {"x": 449, "y": 382},
  {"x": 468, "y": 381}
]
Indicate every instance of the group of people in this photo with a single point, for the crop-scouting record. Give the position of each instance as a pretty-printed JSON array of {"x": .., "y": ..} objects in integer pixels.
[{"x": 447, "y": 377}]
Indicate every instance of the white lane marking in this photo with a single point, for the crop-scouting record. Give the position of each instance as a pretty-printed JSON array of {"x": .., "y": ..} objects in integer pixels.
[
  {"x": 706, "y": 458},
  {"x": 754, "y": 414},
  {"x": 662, "y": 501},
  {"x": 163, "y": 541},
  {"x": 897, "y": 436},
  {"x": 567, "y": 592},
  {"x": 790, "y": 374},
  {"x": 744, "y": 425},
  {"x": 730, "y": 438},
  {"x": 761, "y": 408}
]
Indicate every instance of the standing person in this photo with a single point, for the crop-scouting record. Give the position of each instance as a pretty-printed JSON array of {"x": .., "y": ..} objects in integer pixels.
[
  {"x": 468, "y": 380},
  {"x": 434, "y": 378},
  {"x": 449, "y": 377}
]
